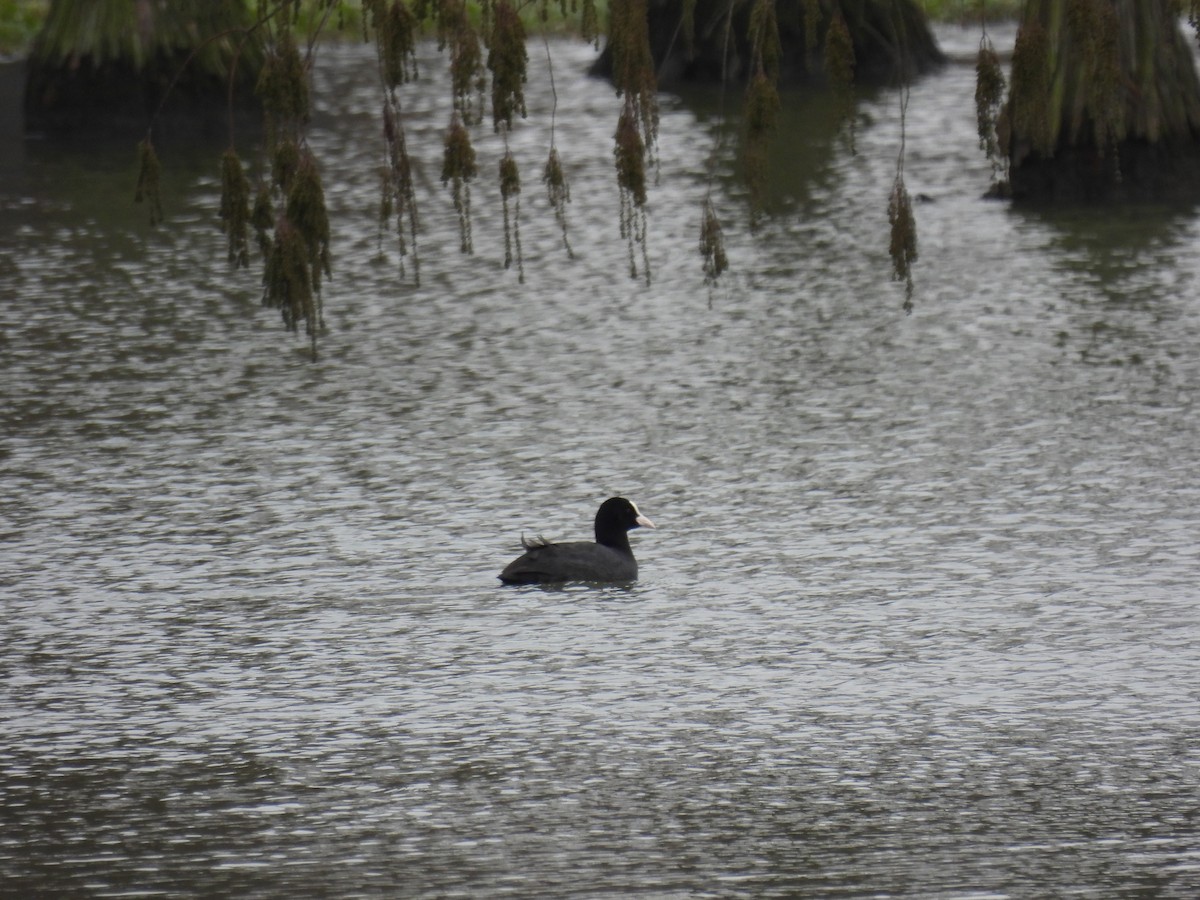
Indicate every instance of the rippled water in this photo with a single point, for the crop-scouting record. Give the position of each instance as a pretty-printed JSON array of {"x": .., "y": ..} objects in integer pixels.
[{"x": 919, "y": 618}]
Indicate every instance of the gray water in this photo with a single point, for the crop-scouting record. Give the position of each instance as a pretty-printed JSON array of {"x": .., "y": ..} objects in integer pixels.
[{"x": 919, "y": 618}]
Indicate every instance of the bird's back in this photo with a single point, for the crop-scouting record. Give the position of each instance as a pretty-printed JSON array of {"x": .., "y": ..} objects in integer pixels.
[{"x": 546, "y": 563}]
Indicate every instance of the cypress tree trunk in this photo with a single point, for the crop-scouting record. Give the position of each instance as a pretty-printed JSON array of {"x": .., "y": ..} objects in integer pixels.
[
  {"x": 891, "y": 40},
  {"x": 110, "y": 64},
  {"x": 1104, "y": 103}
]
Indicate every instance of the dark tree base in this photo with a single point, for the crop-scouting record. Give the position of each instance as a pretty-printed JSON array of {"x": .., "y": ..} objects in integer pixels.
[
  {"x": 1138, "y": 171},
  {"x": 115, "y": 99},
  {"x": 873, "y": 30}
]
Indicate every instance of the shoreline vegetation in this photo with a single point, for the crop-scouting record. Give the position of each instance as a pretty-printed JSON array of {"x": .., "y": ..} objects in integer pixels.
[{"x": 21, "y": 19}]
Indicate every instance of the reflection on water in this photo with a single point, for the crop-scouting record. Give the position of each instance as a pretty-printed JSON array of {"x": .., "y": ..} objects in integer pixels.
[{"x": 919, "y": 617}]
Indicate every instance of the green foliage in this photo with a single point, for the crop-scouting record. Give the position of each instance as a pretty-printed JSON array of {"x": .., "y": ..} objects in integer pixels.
[
  {"x": 633, "y": 70},
  {"x": 457, "y": 37},
  {"x": 148, "y": 184},
  {"x": 287, "y": 285},
  {"x": 262, "y": 217},
  {"x": 507, "y": 61},
  {"x": 712, "y": 244},
  {"x": 630, "y": 152},
  {"x": 396, "y": 30},
  {"x": 637, "y": 125},
  {"x": 763, "y": 31},
  {"x": 283, "y": 83},
  {"x": 290, "y": 219},
  {"x": 458, "y": 169},
  {"x": 307, "y": 214},
  {"x": 235, "y": 209},
  {"x": 458, "y": 160},
  {"x": 510, "y": 189},
  {"x": 589, "y": 23},
  {"x": 510, "y": 177},
  {"x": 399, "y": 190},
  {"x": 629, "y": 41},
  {"x": 558, "y": 192},
  {"x": 284, "y": 163},
  {"x": 989, "y": 98},
  {"x": 19, "y": 22},
  {"x": 903, "y": 243},
  {"x": 289, "y": 214}
]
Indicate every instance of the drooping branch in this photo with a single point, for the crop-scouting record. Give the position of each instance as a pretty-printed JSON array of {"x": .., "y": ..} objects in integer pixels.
[
  {"x": 558, "y": 189},
  {"x": 637, "y": 125},
  {"x": 989, "y": 98},
  {"x": 510, "y": 190},
  {"x": 1104, "y": 101},
  {"x": 507, "y": 60},
  {"x": 902, "y": 246}
]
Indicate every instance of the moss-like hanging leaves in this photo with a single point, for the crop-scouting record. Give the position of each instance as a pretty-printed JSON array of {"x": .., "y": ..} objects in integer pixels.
[
  {"x": 306, "y": 212},
  {"x": 510, "y": 189},
  {"x": 629, "y": 40},
  {"x": 148, "y": 188},
  {"x": 989, "y": 97},
  {"x": 712, "y": 245},
  {"x": 263, "y": 219},
  {"x": 765, "y": 48},
  {"x": 298, "y": 253},
  {"x": 284, "y": 164},
  {"x": 637, "y": 126},
  {"x": 398, "y": 186},
  {"x": 458, "y": 169},
  {"x": 396, "y": 28},
  {"x": 458, "y": 37},
  {"x": 283, "y": 83},
  {"x": 589, "y": 23},
  {"x": 903, "y": 245},
  {"x": 235, "y": 209},
  {"x": 286, "y": 282},
  {"x": 507, "y": 61},
  {"x": 630, "y": 152},
  {"x": 458, "y": 160},
  {"x": 558, "y": 192},
  {"x": 633, "y": 69},
  {"x": 510, "y": 177}
]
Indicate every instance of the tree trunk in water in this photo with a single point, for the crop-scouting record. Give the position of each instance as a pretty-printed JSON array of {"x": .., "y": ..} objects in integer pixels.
[
  {"x": 111, "y": 64},
  {"x": 891, "y": 39},
  {"x": 1104, "y": 103}
]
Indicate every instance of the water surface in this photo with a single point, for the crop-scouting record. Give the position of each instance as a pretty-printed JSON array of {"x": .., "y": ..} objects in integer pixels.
[{"x": 919, "y": 618}]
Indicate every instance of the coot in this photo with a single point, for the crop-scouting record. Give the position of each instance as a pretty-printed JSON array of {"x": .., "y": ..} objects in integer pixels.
[{"x": 609, "y": 559}]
